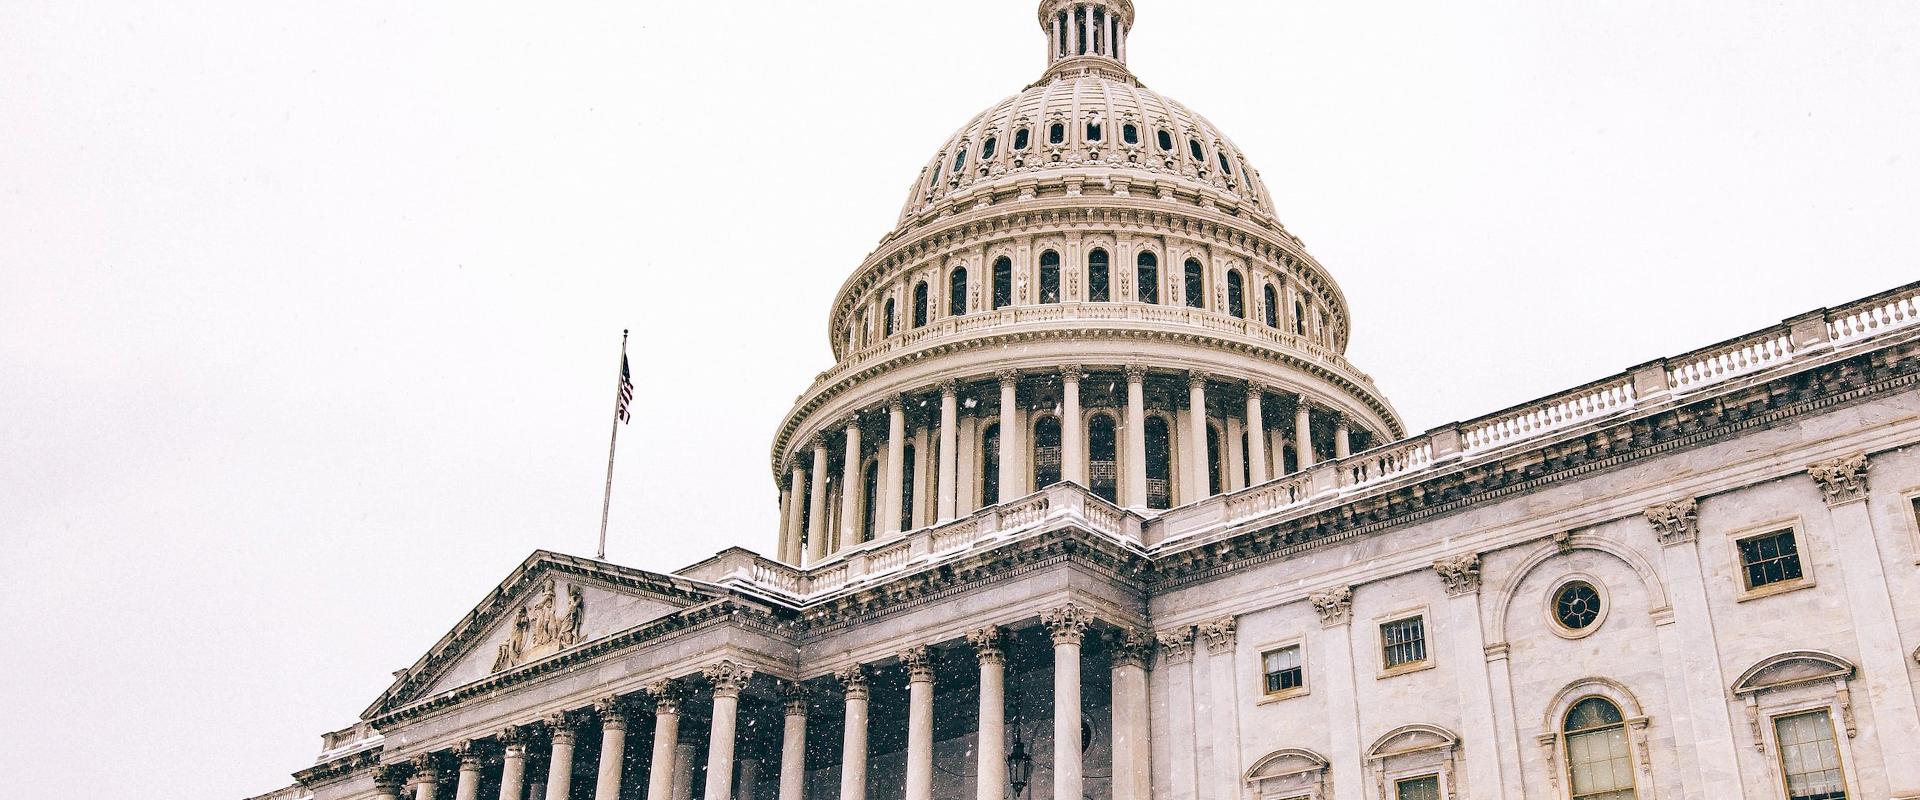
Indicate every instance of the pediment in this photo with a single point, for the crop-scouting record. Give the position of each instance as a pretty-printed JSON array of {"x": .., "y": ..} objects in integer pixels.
[
  {"x": 550, "y": 604},
  {"x": 1285, "y": 764},
  {"x": 1792, "y": 669},
  {"x": 1411, "y": 739}
]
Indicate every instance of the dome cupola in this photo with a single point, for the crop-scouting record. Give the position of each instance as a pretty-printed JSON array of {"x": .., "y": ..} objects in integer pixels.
[{"x": 1086, "y": 33}]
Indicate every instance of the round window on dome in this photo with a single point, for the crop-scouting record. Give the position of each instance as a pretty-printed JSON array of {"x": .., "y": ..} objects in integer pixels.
[
  {"x": 1057, "y": 134},
  {"x": 988, "y": 147},
  {"x": 1130, "y": 134},
  {"x": 1020, "y": 139},
  {"x": 1199, "y": 153},
  {"x": 1577, "y": 608},
  {"x": 1166, "y": 141}
]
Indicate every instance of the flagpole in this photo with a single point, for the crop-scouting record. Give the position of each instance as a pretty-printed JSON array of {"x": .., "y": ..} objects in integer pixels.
[{"x": 606, "y": 497}]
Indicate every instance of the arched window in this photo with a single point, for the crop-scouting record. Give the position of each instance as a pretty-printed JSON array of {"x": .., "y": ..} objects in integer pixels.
[
  {"x": 1148, "y": 278},
  {"x": 988, "y": 147},
  {"x": 935, "y": 180},
  {"x": 960, "y": 161},
  {"x": 1599, "y": 762},
  {"x": 1214, "y": 471},
  {"x": 906, "y": 488},
  {"x": 1098, "y": 277},
  {"x": 920, "y": 304},
  {"x": 1236, "y": 294},
  {"x": 1194, "y": 149},
  {"x": 1225, "y": 168},
  {"x": 1050, "y": 277},
  {"x": 860, "y": 332},
  {"x": 990, "y": 465},
  {"x": 1130, "y": 133},
  {"x": 1057, "y": 133},
  {"x": 1159, "y": 464},
  {"x": 869, "y": 505},
  {"x": 1166, "y": 141},
  {"x": 1020, "y": 139},
  {"x": 1002, "y": 282},
  {"x": 1272, "y": 305},
  {"x": 1196, "y": 288},
  {"x": 957, "y": 293},
  {"x": 1093, "y": 130},
  {"x": 1299, "y": 318},
  {"x": 1046, "y": 452},
  {"x": 886, "y": 320},
  {"x": 1103, "y": 465}
]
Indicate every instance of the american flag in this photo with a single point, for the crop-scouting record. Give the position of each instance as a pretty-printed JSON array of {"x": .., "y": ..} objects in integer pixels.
[{"x": 626, "y": 392}]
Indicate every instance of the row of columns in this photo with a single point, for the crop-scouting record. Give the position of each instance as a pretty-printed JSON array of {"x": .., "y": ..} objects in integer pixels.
[
  {"x": 1074, "y": 29},
  {"x": 805, "y": 534}
]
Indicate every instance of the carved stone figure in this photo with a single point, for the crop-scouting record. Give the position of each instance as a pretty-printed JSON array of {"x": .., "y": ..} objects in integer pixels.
[{"x": 546, "y": 625}]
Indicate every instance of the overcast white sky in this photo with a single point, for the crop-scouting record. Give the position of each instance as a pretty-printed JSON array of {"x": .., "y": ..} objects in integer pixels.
[{"x": 309, "y": 310}]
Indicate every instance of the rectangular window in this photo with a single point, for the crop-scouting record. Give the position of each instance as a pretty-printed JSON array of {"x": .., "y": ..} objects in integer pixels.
[
  {"x": 1282, "y": 668},
  {"x": 1403, "y": 642},
  {"x": 1809, "y": 758},
  {"x": 1770, "y": 558},
  {"x": 1427, "y": 788}
]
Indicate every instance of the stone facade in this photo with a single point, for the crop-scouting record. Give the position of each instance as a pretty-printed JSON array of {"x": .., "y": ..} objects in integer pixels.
[{"x": 1206, "y": 562}]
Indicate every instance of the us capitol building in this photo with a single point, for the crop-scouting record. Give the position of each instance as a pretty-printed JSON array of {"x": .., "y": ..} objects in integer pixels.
[{"x": 1092, "y": 506}]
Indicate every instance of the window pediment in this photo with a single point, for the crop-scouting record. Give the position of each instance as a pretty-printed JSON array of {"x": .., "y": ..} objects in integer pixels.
[{"x": 1790, "y": 669}]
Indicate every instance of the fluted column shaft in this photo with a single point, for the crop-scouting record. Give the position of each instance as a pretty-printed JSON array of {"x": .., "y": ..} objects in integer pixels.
[
  {"x": 468, "y": 787},
  {"x": 894, "y": 490},
  {"x": 513, "y": 765},
  {"x": 560, "y": 760},
  {"x": 817, "y": 505},
  {"x": 919, "y": 784},
  {"x": 853, "y": 742},
  {"x": 666, "y": 736},
  {"x": 1073, "y": 435},
  {"x": 728, "y": 679},
  {"x": 1132, "y": 745},
  {"x": 992, "y": 737},
  {"x": 1256, "y": 436},
  {"x": 852, "y": 486},
  {"x": 1136, "y": 483},
  {"x": 1009, "y": 436},
  {"x": 790, "y": 550},
  {"x": 793, "y": 747},
  {"x": 426, "y": 779},
  {"x": 1303, "y": 433},
  {"x": 613, "y": 748},
  {"x": 1067, "y": 625},
  {"x": 949, "y": 483},
  {"x": 1199, "y": 475}
]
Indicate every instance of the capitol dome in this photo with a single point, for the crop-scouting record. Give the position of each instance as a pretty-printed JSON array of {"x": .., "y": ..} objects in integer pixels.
[{"x": 1087, "y": 283}]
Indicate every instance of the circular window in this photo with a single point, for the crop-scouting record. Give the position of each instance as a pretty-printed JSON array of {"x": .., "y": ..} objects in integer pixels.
[{"x": 1577, "y": 608}]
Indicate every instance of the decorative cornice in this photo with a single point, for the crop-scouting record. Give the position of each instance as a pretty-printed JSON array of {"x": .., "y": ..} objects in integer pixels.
[
  {"x": 1067, "y": 624},
  {"x": 1219, "y": 634},
  {"x": 727, "y": 677},
  {"x": 1460, "y": 574},
  {"x": 918, "y": 660},
  {"x": 1176, "y": 646},
  {"x": 1334, "y": 605},
  {"x": 1842, "y": 480},
  {"x": 1677, "y": 522}
]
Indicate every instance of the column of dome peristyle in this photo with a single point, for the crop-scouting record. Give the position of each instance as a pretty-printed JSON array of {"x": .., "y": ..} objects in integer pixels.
[{"x": 1086, "y": 29}]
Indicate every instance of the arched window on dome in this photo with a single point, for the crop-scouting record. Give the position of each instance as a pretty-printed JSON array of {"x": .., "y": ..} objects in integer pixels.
[
  {"x": 1194, "y": 149},
  {"x": 861, "y": 335},
  {"x": 870, "y": 497},
  {"x": 1236, "y": 294},
  {"x": 960, "y": 161},
  {"x": 1147, "y": 277},
  {"x": 1046, "y": 452},
  {"x": 957, "y": 293},
  {"x": 1196, "y": 284},
  {"x": 1099, "y": 277},
  {"x": 1272, "y": 298},
  {"x": 1166, "y": 141},
  {"x": 1130, "y": 133},
  {"x": 920, "y": 309},
  {"x": 886, "y": 319},
  {"x": 935, "y": 180},
  {"x": 989, "y": 147},
  {"x": 1056, "y": 133},
  {"x": 907, "y": 462},
  {"x": 1599, "y": 761},
  {"x": 1103, "y": 466},
  {"x": 1159, "y": 463},
  {"x": 1215, "y": 472},
  {"x": 990, "y": 465},
  {"x": 1050, "y": 277},
  {"x": 1225, "y": 168},
  {"x": 1299, "y": 318},
  {"x": 1094, "y": 130},
  {"x": 1020, "y": 139},
  {"x": 1002, "y": 282}
]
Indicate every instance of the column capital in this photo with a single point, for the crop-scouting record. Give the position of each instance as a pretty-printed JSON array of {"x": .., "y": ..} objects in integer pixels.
[
  {"x": 1067, "y": 624},
  {"x": 1197, "y": 379},
  {"x": 950, "y": 386},
  {"x": 1460, "y": 574},
  {"x": 1072, "y": 372},
  {"x": 986, "y": 644},
  {"x": 426, "y": 768},
  {"x": 795, "y": 698},
  {"x": 1842, "y": 480},
  {"x": 1135, "y": 372},
  {"x": 471, "y": 757},
  {"x": 514, "y": 738},
  {"x": 1304, "y": 403},
  {"x": 918, "y": 660},
  {"x": 1335, "y": 606},
  {"x": 1256, "y": 390},
  {"x": 390, "y": 777},
  {"x": 1677, "y": 522},
  {"x": 853, "y": 681},
  {"x": 820, "y": 441},
  {"x": 727, "y": 677},
  {"x": 1130, "y": 646},
  {"x": 1008, "y": 377},
  {"x": 897, "y": 404},
  {"x": 1176, "y": 645},
  {"x": 853, "y": 422},
  {"x": 613, "y": 711},
  {"x": 561, "y": 726},
  {"x": 1220, "y": 634},
  {"x": 666, "y": 695}
]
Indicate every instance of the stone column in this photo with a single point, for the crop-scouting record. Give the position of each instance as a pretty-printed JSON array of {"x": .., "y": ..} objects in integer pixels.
[
  {"x": 1132, "y": 745},
  {"x": 1883, "y": 657},
  {"x": 919, "y": 663},
  {"x": 793, "y": 744},
  {"x": 892, "y": 489},
  {"x": 992, "y": 745},
  {"x": 1461, "y": 577},
  {"x": 471, "y": 762},
  {"x": 1073, "y": 435},
  {"x": 1176, "y": 659},
  {"x": 426, "y": 777},
  {"x": 852, "y": 486},
  {"x": 1068, "y": 625},
  {"x": 560, "y": 728},
  {"x": 613, "y": 746},
  {"x": 817, "y": 504},
  {"x": 949, "y": 487},
  {"x": 1136, "y": 461},
  {"x": 1303, "y": 432},
  {"x": 1009, "y": 436},
  {"x": 1342, "y": 437},
  {"x": 727, "y": 678},
  {"x": 388, "y": 780},
  {"x": 683, "y": 755},
  {"x": 666, "y": 736},
  {"x": 790, "y": 550},
  {"x": 1222, "y": 637},
  {"x": 749, "y": 779},
  {"x": 853, "y": 742},
  {"x": 1335, "y": 646},
  {"x": 1256, "y": 436},
  {"x": 513, "y": 763},
  {"x": 1199, "y": 474},
  {"x": 1696, "y": 672}
]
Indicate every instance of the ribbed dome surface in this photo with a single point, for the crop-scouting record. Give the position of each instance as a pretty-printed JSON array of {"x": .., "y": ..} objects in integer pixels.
[{"x": 1077, "y": 119}]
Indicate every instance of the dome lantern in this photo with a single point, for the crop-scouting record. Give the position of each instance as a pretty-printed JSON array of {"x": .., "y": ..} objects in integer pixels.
[{"x": 1080, "y": 30}]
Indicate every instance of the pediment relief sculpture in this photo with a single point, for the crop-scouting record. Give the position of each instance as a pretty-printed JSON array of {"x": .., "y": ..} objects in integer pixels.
[{"x": 547, "y": 624}]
